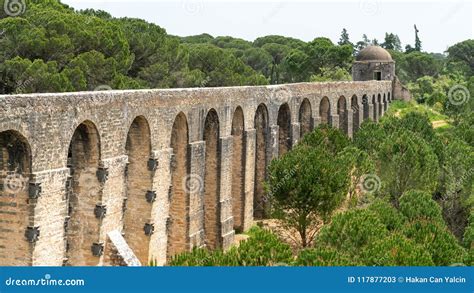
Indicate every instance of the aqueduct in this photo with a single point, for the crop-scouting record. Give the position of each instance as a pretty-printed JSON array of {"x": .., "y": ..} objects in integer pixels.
[{"x": 170, "y": 169}]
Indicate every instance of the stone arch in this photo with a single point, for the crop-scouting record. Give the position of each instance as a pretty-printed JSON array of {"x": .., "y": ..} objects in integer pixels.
[
  {"x": 366, "y": 108},
  {"x": 380, "y": 107},
  {"x": 375, "y": 107},
  {"x": 261, "y": 123},
  {"x": 325, "y": 110},
  {"x": 212, "y": 224},
  {"x": 355, "y": 113},
  {"x": 16, "y": 208},
  {"x": 284, "y": 129},
  {"x": 389, "y": 98},
  {"x": 178, "y": 227},
  {"x": 343, "y": 115},
  {"x": 238, "y": 169},
  {"x": 139, "y": 180},
  {"x": 385, "y": 103},
  {"x": 305, "y": 119},
  {"x": 83, "y": 195}
]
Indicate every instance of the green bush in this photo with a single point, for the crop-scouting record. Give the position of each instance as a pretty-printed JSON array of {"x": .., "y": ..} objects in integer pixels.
[
  {"x": 324, "y": 256},
  {"x": 468, "y": 239},
  {"x": 437, "y": 240},
  {"x": 327, "y": 137},
  {"x": 407, "y": 161},
  {"x": 199, "y": 257},
  {"x": 396, "y": 250},
  {"x": 387, "y": 214},
  {"x": 352, "y": 230},
  {"x": 262, "y": 248},
  {"x": 416, "y": 204}
]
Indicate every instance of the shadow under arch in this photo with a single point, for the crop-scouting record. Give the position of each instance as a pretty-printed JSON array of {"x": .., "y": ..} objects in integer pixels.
[
  {"x": 16, "y": 208},
  {"x": 83, "y": 194}
]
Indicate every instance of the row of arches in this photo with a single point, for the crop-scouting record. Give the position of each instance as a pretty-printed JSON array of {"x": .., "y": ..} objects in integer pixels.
[{"x": 85, "y": 211}]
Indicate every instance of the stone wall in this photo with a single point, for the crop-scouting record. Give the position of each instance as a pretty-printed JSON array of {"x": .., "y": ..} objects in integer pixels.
[
  {"x": 135, "y": 161},
  {"x": 364, "y": 70}
]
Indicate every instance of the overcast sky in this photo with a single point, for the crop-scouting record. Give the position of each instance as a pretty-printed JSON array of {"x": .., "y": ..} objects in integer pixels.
[{"x": 441, "y": 23}]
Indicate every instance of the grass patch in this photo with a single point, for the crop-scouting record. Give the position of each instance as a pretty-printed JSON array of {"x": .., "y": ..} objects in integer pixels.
[{"x": 401, "y": 108}]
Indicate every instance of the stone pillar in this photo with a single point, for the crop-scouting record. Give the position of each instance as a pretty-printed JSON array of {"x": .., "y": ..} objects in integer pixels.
[
  {"x": 361, "y": 117},
  {"x": 50, "y": 212},
  {"x": 295, "y": 133},
  {"x": 250, "y": 137},
  {"x": 160, "y": 210},
  {"x": 334, "y": 121},
  {"x": 274, "y": 143},
  {"x": 225, "y": 196},
  {"x": 350, "y": 123},
  {"x": 371, "y": 112},
  {"x": 113, "y": 194},
  {"x": 197, "y": 160}
]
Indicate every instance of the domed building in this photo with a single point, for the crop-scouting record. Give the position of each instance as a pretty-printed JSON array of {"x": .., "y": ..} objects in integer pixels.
[
  {"x": 373, "y": 63},
  {"x": 376, "y": 63}
]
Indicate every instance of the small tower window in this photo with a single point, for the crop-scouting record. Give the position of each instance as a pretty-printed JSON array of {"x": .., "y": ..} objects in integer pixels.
[{"x": 377, "y": 75}]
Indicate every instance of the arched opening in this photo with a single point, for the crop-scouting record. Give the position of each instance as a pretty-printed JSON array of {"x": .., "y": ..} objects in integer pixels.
[
  {"x": 374, "y": 103},
  {"x": 139, "y": 180},
  {"x": 284, "y": 132},
  {"x": 84, "y": 193},
  {"x": 305, "y": 119},
  {"x": 238, "y": 169},
  {"x": 385, "y": 103},
  {"x": 365, "y": 105},
  {"x": 342, "y": 112},
  {"x": 178, "y": 225},
  {"x": 355, "y": 113},
  {"x": 15, "y": 207},
  {"x": 380, "y": 106},
  {"x": 212, "y": 225},
  {"x": 389, "y": 98},
  {"x": 325, "y": 111},
  {"x": 261, "y": 127}
]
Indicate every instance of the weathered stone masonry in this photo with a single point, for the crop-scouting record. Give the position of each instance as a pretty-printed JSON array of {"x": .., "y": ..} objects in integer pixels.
[{"x": 169, "y": 169}]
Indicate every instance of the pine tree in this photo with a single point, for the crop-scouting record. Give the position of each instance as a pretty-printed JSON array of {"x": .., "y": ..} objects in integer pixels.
[
  {"x": 344, "y": 39},
  {"x": 417, "y": 40}
]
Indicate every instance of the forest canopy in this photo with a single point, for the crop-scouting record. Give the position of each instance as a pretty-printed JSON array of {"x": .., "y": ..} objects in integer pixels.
[{"x": 53, "y": 48}]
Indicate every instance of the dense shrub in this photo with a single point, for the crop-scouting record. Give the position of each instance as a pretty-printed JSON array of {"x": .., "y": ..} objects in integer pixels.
[
  {"x": 406, "y": 161},
  {"x": 396, "y": 250},
  {"x": 416, "y": 204},
  {"x": 199, "y": 257},
  {"x": 387, "y": 214},
  {"x": 324, "y": 256},
  {"x": 262, "y": 248},
  {"x": 352, "y": 230},
  {"x": 327, "y": 137},
  {"x": 468, "y": 239},
  {"x": 437, "y": 240}
]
